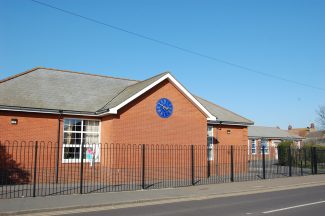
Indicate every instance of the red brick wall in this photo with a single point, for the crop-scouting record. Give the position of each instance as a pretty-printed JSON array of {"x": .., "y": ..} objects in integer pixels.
[
  {"x": 272, "y": 150},
  {"x": 30, "y": 127},
  {"x": 224, "y": 137},
  {"x": 238, "y": 135}
]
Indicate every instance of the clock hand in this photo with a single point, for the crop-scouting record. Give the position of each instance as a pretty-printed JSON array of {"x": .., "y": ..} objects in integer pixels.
[{"x": 164, "y": 107}]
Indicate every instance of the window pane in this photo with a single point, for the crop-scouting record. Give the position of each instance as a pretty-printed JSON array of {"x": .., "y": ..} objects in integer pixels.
[
  {"x": 72, "y": 124},
  {"x": 77, "y": 125},
  {"x": 210, "y": 141},
  {"x": 71, "y": 138},
  {"x": 71, "y": 152},
  {"x": 91, "y": 126},
  {"x": 90, "y": 138},
  {"x": 68, "y": 124}
]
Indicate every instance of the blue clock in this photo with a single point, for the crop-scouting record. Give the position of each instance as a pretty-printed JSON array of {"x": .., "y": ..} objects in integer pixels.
[{"x": 164, "y": 108}]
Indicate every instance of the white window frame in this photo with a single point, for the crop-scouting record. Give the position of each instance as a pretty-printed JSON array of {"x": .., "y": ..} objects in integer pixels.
[
  {"x": 210, "y": 146},
  {"x": 85, "y": 145},
  {"x": 267, "y": 146},
  {"x": 253, "y": 141}
]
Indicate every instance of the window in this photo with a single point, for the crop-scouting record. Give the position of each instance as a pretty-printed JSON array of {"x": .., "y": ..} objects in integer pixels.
[
  {"x": 264, "y": 143},
  {"x": 253, "y": 146},
  {"x": 77, "y": 132},
  {"x": 210, "y": 143}
]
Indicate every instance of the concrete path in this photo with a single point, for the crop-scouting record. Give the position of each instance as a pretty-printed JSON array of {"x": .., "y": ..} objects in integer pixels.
[{"x": 65, "y": 204}]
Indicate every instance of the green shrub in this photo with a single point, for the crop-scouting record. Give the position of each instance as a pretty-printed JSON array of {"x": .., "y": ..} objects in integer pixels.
[
  {"x": 283, "y": 150},
  {"x": 320, "y": 151}
]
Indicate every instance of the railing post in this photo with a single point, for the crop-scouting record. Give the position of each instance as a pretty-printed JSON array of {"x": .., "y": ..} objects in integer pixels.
[
  {"x": 263, "y": 160},
  {"x": 277, "y": 164},
  {"x": 208, "y": 164},
  {"x": 315, "y": 160},
  {"x": 305, "y": 156},
  {"x": 312, "y": 160},
  {"x": 81, "y": 167},
  {"x": 143, "y": 149},
  {"x": 35, "y": 169},
  {"x": 300, "y": 157},
  {"x": 217, "y": 163},
  {"x": 232, "y": 163},
  {"x": 192, "y": 165},
  {"x": 290, "y": 161}
]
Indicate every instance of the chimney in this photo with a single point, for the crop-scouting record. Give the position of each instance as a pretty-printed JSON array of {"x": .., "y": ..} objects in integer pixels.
[
  {"x": 312, "y": 125},
  {"x": 289, "y": 127}
]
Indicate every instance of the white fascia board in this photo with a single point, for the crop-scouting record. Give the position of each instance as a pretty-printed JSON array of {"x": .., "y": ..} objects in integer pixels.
[
  {"x": 29, "y": 111},
  {"x": 176, "y": 83},
  {"x": 229, "y": 123},
  {"x": 48, "y": 112},
  {"x": 190, "y": 96},
  {"x": 133, "y": 97}
]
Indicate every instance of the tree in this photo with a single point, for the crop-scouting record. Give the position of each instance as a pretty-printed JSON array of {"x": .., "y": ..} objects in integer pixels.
[{"x": 321, "y": 116}]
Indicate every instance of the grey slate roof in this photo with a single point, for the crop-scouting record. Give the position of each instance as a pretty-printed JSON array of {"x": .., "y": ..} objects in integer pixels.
[
  {"x": 53, "y": 89},
  {"x": 56, "y": 89},
  {"x": 222, "y": 114},
  {"x": 270, "y": 132},
  {"x": 131, "y": 90}
]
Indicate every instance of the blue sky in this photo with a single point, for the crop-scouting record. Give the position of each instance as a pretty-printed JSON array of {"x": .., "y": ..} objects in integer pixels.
[{"x": 280, "y": 37}]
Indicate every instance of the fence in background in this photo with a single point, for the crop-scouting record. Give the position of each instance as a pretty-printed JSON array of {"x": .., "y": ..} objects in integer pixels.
[{"x": 30, "y": 169}]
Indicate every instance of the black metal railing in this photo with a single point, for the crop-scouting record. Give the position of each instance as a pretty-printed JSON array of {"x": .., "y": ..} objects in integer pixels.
[{"x": 30, "y": 169}]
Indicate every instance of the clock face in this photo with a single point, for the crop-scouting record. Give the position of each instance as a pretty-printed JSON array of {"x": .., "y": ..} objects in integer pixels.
[{"x": 164, "y": 108}]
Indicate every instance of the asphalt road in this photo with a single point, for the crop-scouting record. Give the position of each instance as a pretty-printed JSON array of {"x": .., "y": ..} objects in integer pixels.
[{"x": 297, "y": 202}]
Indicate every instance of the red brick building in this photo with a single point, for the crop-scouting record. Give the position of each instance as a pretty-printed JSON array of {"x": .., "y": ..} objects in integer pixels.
[
  {"x": 269, "y": 137},
  {"x": 69, "y": 108}
]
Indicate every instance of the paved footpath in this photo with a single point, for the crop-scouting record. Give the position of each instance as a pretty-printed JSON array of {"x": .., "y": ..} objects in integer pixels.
[{"x": 65, "y": 204}]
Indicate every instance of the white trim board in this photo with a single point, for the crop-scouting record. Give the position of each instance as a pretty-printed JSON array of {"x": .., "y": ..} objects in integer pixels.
[{"x": 168, "y": 76}]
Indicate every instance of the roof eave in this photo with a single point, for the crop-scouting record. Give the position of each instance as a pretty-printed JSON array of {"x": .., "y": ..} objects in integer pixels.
[
  {"x": 46, "y": 111},
  {"x": 220, "y": 122},
  {"x": 271, "y": 137}
]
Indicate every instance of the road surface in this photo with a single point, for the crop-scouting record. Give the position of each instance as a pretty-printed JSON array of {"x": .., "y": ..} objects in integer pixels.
[{"x": 297, "y": 202}]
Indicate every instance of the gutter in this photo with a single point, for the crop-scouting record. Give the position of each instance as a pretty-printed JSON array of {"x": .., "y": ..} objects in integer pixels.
[
  {"x": 46, "y": 111},
  {"x": 217, "y": 122},
  {"x": 279, "y": 138}
]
